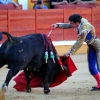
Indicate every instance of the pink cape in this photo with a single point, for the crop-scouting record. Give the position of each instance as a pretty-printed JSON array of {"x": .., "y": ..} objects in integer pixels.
[{"x": 36, "y": 80}]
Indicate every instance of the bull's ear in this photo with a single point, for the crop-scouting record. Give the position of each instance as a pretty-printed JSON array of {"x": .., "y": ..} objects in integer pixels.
[{"x": 0, "y": 36}]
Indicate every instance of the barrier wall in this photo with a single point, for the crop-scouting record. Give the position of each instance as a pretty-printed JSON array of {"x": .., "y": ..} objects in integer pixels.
[{"x": 21, "y": 22}]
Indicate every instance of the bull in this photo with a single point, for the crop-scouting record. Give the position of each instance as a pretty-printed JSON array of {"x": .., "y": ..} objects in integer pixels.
[{"x": 27, "y": 53}]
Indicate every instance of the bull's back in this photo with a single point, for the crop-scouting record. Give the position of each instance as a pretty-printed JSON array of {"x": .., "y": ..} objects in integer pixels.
[
  {"x": 25, "y": 47},
  {"x": 36, "y": 38}
]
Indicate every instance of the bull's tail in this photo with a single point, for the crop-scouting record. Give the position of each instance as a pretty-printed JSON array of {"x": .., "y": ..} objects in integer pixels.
[{"x": 10, "y": 38}]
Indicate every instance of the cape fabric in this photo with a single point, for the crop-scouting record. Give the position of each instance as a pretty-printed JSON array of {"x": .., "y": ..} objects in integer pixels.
[{"x": 36, "y": 80}]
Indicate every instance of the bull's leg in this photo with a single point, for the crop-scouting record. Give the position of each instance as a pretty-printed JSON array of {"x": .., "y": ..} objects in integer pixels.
[
  {"x": 47, "y": 70},
  {"x": 45, "y": 81},
  {"x": 46, "y": 86},
  {"x": 28, "y": 79},
  {"x": 12, "y": 72}
]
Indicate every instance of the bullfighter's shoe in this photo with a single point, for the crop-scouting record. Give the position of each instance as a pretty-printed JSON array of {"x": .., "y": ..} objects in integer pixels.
[{"x": 95, "y": 89}]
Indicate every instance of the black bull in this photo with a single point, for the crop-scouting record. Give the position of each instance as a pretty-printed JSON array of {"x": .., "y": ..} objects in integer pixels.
[{"x": 27, "y": 53}]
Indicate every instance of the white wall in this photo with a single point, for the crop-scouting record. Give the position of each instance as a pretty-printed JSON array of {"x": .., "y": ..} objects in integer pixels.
[{"x": 24, "y": 4}]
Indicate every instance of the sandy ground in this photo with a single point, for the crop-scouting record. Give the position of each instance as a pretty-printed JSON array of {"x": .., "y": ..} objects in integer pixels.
[{"x": 76, "y": 87}]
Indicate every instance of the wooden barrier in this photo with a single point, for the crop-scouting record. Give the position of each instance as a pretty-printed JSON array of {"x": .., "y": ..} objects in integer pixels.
[
  {"x": 21, "y": 22},
  {"x": 44, "y": 20}
]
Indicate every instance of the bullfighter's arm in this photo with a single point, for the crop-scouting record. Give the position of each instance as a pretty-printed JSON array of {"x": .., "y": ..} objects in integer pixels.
[
  {"x": 86, "y": 28},
  {"x": 64, "y": 25}
]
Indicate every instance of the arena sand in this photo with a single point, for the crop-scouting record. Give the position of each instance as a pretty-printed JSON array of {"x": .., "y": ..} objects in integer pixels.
[{"x": 76, "y": 87}]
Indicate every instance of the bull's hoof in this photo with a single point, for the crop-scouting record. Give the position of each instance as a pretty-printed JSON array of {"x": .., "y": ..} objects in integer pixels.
[
  {"x": 46, "y": 91},
  {"x": 95, "y": 89},
  {"x": 4, "y": 87},
  {"x": 28, "y": 90}
]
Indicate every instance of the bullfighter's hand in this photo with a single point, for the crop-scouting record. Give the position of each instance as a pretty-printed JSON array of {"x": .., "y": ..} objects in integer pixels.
[
  {"x": 54, "y": 25},
  {"x": 66, "y": 55}
]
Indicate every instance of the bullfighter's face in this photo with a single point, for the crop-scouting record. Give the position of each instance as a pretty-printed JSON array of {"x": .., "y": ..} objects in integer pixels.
[{"x": 74, "y": 25}]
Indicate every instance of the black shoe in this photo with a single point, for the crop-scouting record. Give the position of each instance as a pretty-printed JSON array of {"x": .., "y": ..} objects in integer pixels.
[{"x": 95, "y": 89}]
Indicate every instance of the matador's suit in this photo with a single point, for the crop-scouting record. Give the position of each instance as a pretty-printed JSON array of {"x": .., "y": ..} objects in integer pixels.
[{"x": 86, "y": 33}]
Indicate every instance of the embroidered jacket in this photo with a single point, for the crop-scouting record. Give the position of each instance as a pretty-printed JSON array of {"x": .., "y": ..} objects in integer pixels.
[{"x": 84, "y": 29}]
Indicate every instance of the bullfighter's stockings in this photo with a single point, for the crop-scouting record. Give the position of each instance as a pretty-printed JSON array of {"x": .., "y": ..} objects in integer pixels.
[{"x": 97, "y": 78}]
